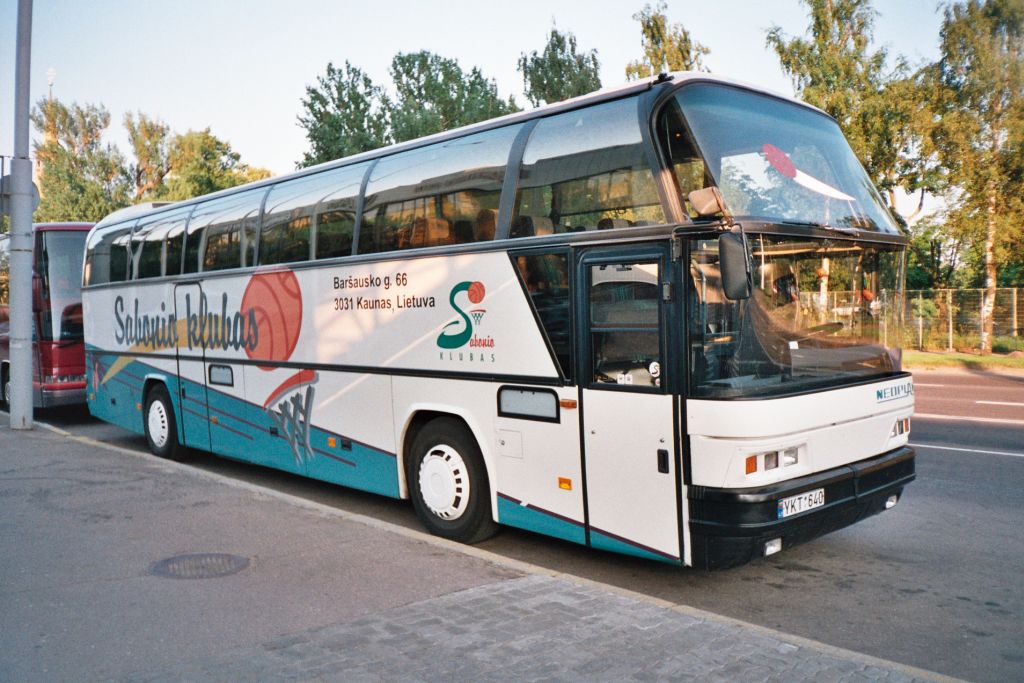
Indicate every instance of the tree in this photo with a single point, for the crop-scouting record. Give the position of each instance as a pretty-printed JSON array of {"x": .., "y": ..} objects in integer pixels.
[
  {"x": 149, "y": 140},
  {"x": 884, "y": 115},
  {"x": 434, "y": 94},
  {"x": 934, "y": 254},
  {"x": 979, "y": 94},
  {"x": 344, "y": 114},
  {"x": 559, "y": 72},
  {"x": 81, "y": 179},
  {"x": 201, "y": 163},
  {"x": 666, "y": 48}
]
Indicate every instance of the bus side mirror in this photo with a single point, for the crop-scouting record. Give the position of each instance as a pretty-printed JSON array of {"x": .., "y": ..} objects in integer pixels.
[
  {"x": 707, "y": 202},
  {"x": 734, "y": 262}
]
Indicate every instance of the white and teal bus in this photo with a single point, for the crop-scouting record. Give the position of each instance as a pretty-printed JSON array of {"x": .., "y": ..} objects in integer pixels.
[{"x": 661, "y": 320}]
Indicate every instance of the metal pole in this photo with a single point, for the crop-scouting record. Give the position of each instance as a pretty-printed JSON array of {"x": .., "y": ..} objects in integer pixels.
[
  {"x": 1013, "y": 309},
  {"x": 982, "y": 294},
  {"x": 920, "y": 322},
  {"x": 949, "y": 317},
  {"x": 21, "y": 232}
]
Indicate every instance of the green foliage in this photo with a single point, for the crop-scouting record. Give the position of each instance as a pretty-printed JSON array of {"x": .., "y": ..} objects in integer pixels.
[
  {"x": 434, "y": 95},
  {"x": 82, "y": 180},
  {"x": 882, "y": 114},
  {"x": 201, "y": 163},
  {"x": 977, "y": 88},
  {"x": 559, "y": 72},
  {"x": 149, "y": 141},
  {"x": 934, "y": 256},
  {"x": 344, "y": 114},
  {"x": 666, "y": 48},
  {"x": 924, "y": 308}
]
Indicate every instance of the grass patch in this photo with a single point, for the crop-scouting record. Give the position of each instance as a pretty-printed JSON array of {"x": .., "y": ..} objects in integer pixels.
[{"x": 922, "y": 360}]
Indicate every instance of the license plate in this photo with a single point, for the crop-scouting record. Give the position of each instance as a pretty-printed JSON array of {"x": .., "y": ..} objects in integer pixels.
[{"x": 803, "y": 502}]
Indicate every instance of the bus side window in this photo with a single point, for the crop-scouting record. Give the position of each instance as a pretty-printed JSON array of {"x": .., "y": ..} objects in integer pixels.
[
  {"x": 223, "y": 246},
  {"x": 106, "y": 255},
  {"x": 284, "y": 238},
  {"x": 546, "y": 278},
  {"x": 625, "y": 324},
  {"x": 222, "y": 232},
  {"x": 147, "y": 245},
  {"x": 334, "y": 231},
  {"x": 152, "y": 253},
  {"x": 446, "y": 193},
  {"x": 686, "y": 162},
  {"x": 586, "y": 170},
  {"x": 174, "y": 248},
  {"x": 311, "y": 216}
]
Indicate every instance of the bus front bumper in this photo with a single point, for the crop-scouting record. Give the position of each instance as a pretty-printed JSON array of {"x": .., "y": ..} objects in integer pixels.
[{"x": 729, "y": 527}]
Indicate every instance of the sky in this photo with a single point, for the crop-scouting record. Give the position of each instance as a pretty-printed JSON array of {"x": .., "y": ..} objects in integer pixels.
[{"x": 240, "y": 67}]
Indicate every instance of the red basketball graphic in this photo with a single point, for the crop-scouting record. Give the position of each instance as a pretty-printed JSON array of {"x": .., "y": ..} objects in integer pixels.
[
  {"x": 476, "y": 292},
  {"x": 275, "y": 301}
]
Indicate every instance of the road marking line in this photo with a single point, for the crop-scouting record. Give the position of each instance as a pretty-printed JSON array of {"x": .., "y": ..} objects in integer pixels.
[
  {"x": 967, "y": 450},
  {"x": 1000, "y": 403},
  {"x": 965, "y": 418},
  {"x": 508, "y": 562}
]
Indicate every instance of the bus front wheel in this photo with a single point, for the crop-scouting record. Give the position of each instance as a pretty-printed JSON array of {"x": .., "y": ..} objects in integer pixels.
[
  {"x": 448, "y": 483},
  {"x": 158, "y": 421}
]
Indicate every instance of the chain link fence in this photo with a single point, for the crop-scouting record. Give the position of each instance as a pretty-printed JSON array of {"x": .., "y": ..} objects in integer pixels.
[{"x": 951, "y": 319}]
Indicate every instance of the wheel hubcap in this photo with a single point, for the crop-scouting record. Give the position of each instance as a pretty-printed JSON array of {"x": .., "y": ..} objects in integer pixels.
[
  {"x": 156, "y": 420},
  {"x": 444, "y": 483}
]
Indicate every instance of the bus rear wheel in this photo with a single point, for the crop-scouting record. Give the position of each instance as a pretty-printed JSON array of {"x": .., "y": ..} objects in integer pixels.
[
  {"x": 448, "y": 483},
  {"x": 158, "y": 422}
]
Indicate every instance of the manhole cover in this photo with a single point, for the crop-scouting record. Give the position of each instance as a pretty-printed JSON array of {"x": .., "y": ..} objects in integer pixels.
[{"x": 199, "y": 566}]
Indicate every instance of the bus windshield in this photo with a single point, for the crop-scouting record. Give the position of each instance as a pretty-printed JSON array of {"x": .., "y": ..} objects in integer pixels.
[
  {"x": 772, "y": 160},
  {"x": 822, "y": 312},
  {"x": 59, "y": 267}
]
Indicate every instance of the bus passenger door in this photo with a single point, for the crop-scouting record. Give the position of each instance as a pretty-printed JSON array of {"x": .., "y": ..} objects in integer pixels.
[
  {"x": 191, "y": 397},
  {"x": 628, "y": 414}
]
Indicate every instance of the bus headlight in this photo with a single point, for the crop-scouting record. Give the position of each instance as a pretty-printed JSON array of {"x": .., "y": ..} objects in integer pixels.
[
  {"x": 770, "y": 460},
  {"x": 901, "y": 426}
]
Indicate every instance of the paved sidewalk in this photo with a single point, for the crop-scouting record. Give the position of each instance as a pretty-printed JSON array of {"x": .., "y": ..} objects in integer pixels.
[
  {"x": 535, "y": 628},
  {"x": 326, "y": 595}
]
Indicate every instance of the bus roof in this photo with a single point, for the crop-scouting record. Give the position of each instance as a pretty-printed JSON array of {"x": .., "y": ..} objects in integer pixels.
[
  {"x": 46, "y": 227},
  {"x": 598, "y": 96}
]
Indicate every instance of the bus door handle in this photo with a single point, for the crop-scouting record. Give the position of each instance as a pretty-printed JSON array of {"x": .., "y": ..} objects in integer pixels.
[{"x": 663, "y": 461}]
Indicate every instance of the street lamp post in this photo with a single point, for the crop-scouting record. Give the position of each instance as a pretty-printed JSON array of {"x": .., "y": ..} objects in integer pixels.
[{"x": 21, "y": 232}]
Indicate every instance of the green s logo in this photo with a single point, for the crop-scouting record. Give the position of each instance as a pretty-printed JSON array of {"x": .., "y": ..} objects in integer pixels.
[{"x": 453, "y": 339}]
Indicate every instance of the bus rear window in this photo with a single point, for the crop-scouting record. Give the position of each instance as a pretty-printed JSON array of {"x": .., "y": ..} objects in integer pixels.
[{"x": 59, "y": 264}]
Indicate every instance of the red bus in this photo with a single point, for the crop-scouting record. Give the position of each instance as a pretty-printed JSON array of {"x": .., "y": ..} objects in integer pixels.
[{"x": 58, "y": 350}]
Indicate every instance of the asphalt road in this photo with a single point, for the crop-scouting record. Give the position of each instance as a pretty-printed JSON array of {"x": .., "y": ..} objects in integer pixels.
[{"x": 934, "y": 583}]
